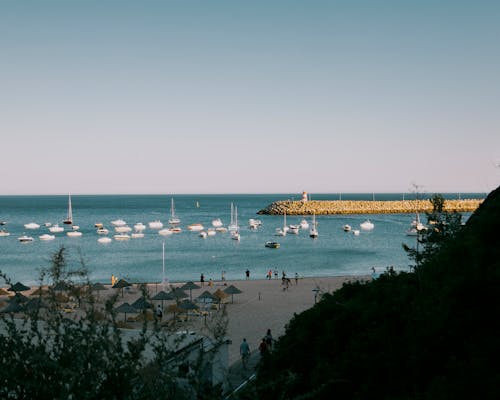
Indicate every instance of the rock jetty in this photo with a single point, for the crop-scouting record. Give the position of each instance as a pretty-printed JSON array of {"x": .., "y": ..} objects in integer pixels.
[{"x": 327, "y": 207}]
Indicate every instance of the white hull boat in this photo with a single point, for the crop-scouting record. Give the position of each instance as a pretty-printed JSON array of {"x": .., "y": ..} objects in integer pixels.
[
  {"x": 156, "y": 224},
  {"x": 4, "y": 233},
  {"x": 173, "y": 220},
  {"x": 137, "y": 235},
  {"x": 203, "y": 234},
  {"x": 122, "y": 236},
  {"x": 118, "y": 222},
  {"x": 367, "y": 225},
  {"x": 216, "y": 223},
  {"x": 46, "y": 237},
  {"x": 304, "y": 224},
  {"x": 195, "y": 227},
  {"x": 139, "y": 227},
  {"x": 165, "y": 232},
  {"x": 32, "y": 225},
  {"x": 56, "y": 229},
  {"x": 74, "y": 233},
  {"x": 347, "y": 228},
  {"x": 102, "y": 231},
  {"x": 104, "y": 240},
  {"x": 313, "y": 232},
  {"x": 25, "y": 239},
  {"x": 123, "y": 229}
]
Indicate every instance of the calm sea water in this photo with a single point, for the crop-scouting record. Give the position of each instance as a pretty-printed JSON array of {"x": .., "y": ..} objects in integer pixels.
[{"x": 186, "y": 254}]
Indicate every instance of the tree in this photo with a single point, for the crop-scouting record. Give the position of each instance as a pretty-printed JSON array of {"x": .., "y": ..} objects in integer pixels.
[{"x": 48, "y": 355}]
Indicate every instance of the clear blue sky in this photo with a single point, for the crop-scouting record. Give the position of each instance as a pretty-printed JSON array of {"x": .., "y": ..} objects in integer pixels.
[{"x": 249, "y": 96}]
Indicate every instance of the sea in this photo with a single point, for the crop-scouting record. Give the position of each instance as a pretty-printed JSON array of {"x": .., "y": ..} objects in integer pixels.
[{"x": 186, "y": 255}]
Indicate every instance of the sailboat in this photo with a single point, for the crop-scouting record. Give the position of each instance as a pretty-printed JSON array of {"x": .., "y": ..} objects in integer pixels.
[
  {"x": 284, "y": 230},
  {"x": 313, "y": 232},
  {"x": 69, "y": 218},
  {"x": 416, "y": 226},
  {"x": 235, "y": 234},
  {"x": 232, "y": 225},
  {"x": 173, "y": 219}
]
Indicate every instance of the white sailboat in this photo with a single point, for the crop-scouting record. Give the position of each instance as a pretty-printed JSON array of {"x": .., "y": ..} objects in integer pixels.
[
  {"x": 235, "y": 234},
  {"x": 416, "y": 226},
  {"x": 69, "y": 217},
  {"x": 173, "y": 219},
  {"x": 232, "y": 225},
  {"x": 313, "y": 232},
  {"x": 284, "y": 230}
]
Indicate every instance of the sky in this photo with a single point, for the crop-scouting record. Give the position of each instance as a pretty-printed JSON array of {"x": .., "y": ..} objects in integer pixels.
[{"x": 161, "y": 97}]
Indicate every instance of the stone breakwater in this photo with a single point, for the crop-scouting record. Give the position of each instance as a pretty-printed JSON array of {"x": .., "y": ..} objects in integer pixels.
[{"x": 327, "y": 207}]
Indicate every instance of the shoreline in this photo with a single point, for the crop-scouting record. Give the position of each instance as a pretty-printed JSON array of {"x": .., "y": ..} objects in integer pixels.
[{"x": 263, "y": 304}]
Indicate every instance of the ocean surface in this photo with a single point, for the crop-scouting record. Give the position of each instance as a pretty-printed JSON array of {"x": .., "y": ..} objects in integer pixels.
[{"x": 187, "y": 255}]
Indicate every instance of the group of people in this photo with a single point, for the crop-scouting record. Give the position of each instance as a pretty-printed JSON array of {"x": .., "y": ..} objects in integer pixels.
[{"x": 265, "y": 347}]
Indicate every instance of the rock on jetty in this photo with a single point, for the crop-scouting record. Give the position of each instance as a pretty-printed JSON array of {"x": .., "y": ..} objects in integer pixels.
[{"x": 327, "y": 207}]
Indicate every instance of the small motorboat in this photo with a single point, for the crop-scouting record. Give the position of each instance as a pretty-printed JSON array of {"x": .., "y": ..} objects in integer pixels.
[
  {"x": 123, "y": 229},
  {"x": 196, "y": 227},
  {"x": 165, "y": 232},
  {"x": 56, "y": 229},
  {"x": 122, "y": 236},
  {"x": 294, "y": 229},
  {"x": 98, "y": 225},
  {"x": 4, "y": 233},
  {"x": 347, "y": 228},
  {"x": 46, "y": 237},
  {"x": 203, "y": 234},
  {"x": 211, "y": 232},
  {"x": 156, "y": 224},
  {"x": 139, "y": 227},
  {"x": 102, "y": 231},
  {"x": 104, "y": 239},
  {"x": 272, "y": 245},
  {"x": 74, "y": 233},
  {"x": 235, "y": 235},
  {"x": 137, "y": 235},
  {"x": 25, "y": 239},
  {"x": 367, "y": 225},
  {"x": 355, "y": 232},
  {"x": 304, "y": 224},
  {"x": 216, "y": 223},
  {"x": 118, "y": 222},
  {"x": 32, "y": 225}
]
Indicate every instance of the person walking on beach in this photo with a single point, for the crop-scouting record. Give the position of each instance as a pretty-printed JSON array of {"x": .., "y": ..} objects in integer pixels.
[
  {"x": 269, "y": 274},
  {"x": 275, "y": 274},
  {"x": 296, "y": 278},
  {"x": 223, "y": 275},
  {"x": 244, "y": 353},
  {"x": 202, "y": 280},
  {"x": 247, "y": 273}
]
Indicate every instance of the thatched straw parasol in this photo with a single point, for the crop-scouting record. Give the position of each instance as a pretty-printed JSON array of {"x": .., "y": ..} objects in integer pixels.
[
  {"x": 122, "y": 283},
  {"x": 141, "y": 304},
  {"x": 162, "y": 296},
  {"x": 190, "y": 286},
  {"x": 187, "y": 305},
  {"x": 126, "y": 308},
  {"x": 18, "y": 287},
  {"x": 232, "y": 290}
]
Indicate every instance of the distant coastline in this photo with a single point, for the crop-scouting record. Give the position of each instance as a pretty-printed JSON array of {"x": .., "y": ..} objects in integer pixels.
[{"x": 330, "y": 207}]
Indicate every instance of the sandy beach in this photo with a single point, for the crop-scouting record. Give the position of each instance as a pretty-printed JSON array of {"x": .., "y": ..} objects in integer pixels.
[{"x": 263, "y": 304}]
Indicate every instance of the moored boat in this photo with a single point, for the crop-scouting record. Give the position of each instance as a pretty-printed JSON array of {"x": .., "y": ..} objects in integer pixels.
[
  {"x": 347, "y": 228},
  {"x": 104, "y": 239},
  {"x": 32, "y": 225},
  {"x": 367, "y": 225},
  {"x": 272, "y": 245},
  {"x": 56, "y": 229},
  {"x": 4, "y": 233},
  {"x": 46, "y": 237},
  {"x": 25, "y": 239},
  {"x": 195, "y": 227},
  {"x": 69, "y": 217},
  {"x": 156, "y": 224},
  {"x": 118, "y": 222},
  {"x": 74, "y": 233}
]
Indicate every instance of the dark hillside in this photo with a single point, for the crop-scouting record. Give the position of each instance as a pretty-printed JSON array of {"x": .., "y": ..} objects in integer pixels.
[{"x": 426, "y": 335}]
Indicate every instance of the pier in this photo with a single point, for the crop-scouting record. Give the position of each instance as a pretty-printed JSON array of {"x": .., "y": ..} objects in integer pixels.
[{"x": 331, "y": 207}]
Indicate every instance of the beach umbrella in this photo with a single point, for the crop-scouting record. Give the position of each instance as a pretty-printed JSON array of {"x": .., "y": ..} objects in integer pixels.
[
  {"x": 220, "y": 295},
  {"x": 190, "y": 286},
  {"x": 141, "y": 304},
  {"x": 12, "y": 307},
  {"x": 187, "y": 305},
  {"x": 232, "y": 290},
  {"x": 39, "y": 292},
  {"x": 3, "y": 292},
  {"x": 207, "y": 297},
  {"x": 122, "y": 283},
  {"x": 162, "y": 296},
  {"x": 178, "y": 293},
  {"x": 18, "y": 287},
  {"x": 126, "y": 308}
]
